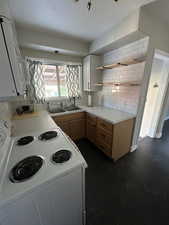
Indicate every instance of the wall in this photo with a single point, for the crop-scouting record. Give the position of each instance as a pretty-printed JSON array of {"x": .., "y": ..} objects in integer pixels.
[
  {"x": 4, "y": 8},
  {"x": 126, "y": 98},
  {"x": 154, "y": 27},
  {"x": 49, "y": 56},
  {"x": 50, "y": 42},
  {"x": 126, "y": 27}
]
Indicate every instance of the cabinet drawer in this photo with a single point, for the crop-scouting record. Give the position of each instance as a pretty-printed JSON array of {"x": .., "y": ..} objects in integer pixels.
[
  {"x": 72, "y": 116},
  {"x": 104, "y": 137},
  {"x": 91, "y": 119},
  {"x": 105, "y": 125}
]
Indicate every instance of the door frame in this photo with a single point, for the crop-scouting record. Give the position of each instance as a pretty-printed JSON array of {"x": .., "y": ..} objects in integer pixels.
[{"x": 143, "y": 95}]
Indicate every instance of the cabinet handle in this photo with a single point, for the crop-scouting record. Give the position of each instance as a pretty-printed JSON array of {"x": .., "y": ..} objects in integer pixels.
[{"x": 88, "y": 85}]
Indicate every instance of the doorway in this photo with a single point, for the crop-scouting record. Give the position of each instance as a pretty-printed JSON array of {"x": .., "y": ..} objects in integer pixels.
[{"x": 156, "y": 94}]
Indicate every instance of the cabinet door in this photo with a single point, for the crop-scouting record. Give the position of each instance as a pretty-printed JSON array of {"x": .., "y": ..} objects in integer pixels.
[
  {"x": 7, "y": 87},
  {"x": 64, "y": 125},
  {"x": 91, "y": 132},
  {"x": 91, "y": 76},
  {"x": 86, "y": 74},
  {"x": 77, "y": 129},
  {"x": 15, "y": 57}
]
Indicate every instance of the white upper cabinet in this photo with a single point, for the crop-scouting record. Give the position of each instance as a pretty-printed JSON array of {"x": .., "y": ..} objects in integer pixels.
[
  {"x": 12, "y": 80},
  {"x": 91, "y": 76},
  {"x": 7, "y": 85}
]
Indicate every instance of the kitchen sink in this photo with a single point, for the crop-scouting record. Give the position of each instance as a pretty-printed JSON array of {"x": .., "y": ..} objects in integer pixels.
[
  {"x": 67, "y": 109},
  {"x": 72, "y": 108},
  {"x": 57, "y": 111}
]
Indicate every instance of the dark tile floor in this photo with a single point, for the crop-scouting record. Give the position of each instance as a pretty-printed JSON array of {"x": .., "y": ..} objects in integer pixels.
[{"x": 132, "y": 191}]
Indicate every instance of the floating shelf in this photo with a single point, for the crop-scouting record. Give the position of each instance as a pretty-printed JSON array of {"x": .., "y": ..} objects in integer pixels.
[
  {"x": 121, "y": 64},
  {"x": 126, "y": 84}
]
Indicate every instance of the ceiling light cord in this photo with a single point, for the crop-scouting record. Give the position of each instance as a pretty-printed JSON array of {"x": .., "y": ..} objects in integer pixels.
[{"x": 89, "y": 3}]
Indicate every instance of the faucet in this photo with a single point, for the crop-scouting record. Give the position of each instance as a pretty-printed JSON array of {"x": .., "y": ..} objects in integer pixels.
[
  {"x": 61, "y": 105},
  {"x": 74, "y": 101}
]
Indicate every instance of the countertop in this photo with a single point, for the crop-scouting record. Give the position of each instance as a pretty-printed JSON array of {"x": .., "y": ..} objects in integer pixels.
[
  {"x": 111, "y": 115},
  {"x": 41, "y": 122}
]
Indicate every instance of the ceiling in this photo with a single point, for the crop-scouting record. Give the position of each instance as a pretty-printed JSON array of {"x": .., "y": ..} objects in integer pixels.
[
  {"x": 71, "y": 19},
  {"x": 160, "y": 9}
]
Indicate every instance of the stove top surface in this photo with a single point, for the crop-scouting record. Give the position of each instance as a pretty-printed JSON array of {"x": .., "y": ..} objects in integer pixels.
[{"x": 26, "y": 172}]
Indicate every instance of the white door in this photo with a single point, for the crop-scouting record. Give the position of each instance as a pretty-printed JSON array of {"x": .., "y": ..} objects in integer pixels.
[{"x": 155, "y": 97}]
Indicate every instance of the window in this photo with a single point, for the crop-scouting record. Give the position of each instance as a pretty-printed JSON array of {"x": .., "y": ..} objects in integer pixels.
[{"x": 55, "y": 81}]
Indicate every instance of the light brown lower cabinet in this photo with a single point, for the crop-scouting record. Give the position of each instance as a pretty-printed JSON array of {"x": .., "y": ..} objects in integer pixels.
[
  {"x": 72, "y": 124},
  {"x": 77, "y": 129},
  {"x": 113, "y": 139},
  {"x": 64, "y": 126}
]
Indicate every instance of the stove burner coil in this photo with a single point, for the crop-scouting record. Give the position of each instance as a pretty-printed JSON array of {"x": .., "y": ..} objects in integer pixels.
[
  {"x": 61, "y": 156},
  {"x": 25, "y": 169},
  {"x": 48, "y": 135},
  {"x": 25, "y": 140}
]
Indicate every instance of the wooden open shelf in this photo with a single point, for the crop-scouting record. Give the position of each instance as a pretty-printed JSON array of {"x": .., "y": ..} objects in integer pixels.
[
  {"x": 121, "y": 64},
  {"x": 126, "y": 84}
]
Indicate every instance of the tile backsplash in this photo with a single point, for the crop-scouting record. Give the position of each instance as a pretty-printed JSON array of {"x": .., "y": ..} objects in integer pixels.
[
  {"x": 124, "y": 98},
  {"x": 5, "y": 114},
  {"x": 5, "y": 111}
]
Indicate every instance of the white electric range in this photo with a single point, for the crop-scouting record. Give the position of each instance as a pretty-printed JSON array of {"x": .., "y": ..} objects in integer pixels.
[{"x": 43, "y": 180}]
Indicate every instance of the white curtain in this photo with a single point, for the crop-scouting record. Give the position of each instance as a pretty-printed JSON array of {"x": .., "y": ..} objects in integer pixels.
[
  {"x": 73, "y": 80},
  {"x": 35, "y": 82}
]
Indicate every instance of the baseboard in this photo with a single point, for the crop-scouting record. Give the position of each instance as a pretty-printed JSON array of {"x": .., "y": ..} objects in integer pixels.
[
  {"x": 133, "y": 148},
  {"x": 159, "y": 135}
]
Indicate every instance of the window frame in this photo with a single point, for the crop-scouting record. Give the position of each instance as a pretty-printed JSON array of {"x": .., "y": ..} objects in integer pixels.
[
  {"x": 60, "y": 98},
  {"x": 58, "y": 81}
]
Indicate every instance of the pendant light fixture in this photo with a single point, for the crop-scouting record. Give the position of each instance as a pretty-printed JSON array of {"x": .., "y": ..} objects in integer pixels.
[
  {"x": 89, "y": 5},
  {"x": 90, "y": 2}
]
